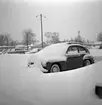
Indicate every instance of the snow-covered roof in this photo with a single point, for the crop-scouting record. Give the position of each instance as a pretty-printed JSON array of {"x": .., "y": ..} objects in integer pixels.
[
  {"x": 59, "y": 48},
  {"x": 54, "y": 49}
]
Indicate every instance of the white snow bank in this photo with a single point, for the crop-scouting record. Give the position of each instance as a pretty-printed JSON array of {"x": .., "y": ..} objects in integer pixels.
[
  {"x": 10, "y": 59},
  {"x": 96, "y": 52},
  {"x": 20, "y": 85}
]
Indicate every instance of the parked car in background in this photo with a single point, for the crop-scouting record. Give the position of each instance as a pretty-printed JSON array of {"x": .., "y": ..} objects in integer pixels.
[
  {"x": 62, "y": 57},
  {"x": 19, "y": 49},
  {"x": 33, "y": 51},
  {"x": 17, "y": 52}
]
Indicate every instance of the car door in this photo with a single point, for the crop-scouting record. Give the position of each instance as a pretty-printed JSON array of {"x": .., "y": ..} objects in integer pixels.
[{"x": 73, "y": 58}]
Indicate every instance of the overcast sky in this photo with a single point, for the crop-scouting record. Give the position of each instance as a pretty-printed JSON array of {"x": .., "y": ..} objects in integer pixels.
[{"x": 64, "y": 16}]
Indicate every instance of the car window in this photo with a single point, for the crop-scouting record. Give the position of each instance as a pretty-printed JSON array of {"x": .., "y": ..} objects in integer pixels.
[
  {"x": 82, "y": 50},
  {"x": 72, "y": 50}
]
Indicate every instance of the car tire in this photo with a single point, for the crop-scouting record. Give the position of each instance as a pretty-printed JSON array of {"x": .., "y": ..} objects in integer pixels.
[
  {"x": 55, "y": 68},
  {"x": 87, "y": 62}
]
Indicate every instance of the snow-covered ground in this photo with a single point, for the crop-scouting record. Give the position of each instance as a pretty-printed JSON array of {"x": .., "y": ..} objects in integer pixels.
[
  {"x": 97, "y": 53},
  {"x": 20, "y": 85}
]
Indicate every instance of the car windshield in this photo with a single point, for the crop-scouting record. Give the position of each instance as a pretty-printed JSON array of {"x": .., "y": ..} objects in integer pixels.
[{"x": 55, "y": 49}]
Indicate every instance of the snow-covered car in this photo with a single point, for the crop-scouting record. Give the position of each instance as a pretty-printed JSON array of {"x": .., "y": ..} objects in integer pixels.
[
  {"x": 63, "y": 56},
  {"x": 17, "y": 52},
  {"x": 35, "y": 50}
]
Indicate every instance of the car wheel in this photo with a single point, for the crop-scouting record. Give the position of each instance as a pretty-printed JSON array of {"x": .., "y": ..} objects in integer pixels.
[
  {"x": 55, "y": 68},
  {"x": 87, "y": 62}
]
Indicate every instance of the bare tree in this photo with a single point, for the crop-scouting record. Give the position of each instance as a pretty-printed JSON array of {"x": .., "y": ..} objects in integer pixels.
[
  {"x": 52, "y": 37},
  {"x": 79, "y": 39},
  {"x": 99, "y": 37},
  {"x": 29, "y": 37},
  {"x": 5, "y": 39},
  {"x": 1, "y": 40}
]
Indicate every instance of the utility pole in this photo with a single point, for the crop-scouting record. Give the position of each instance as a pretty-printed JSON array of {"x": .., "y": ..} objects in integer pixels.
[
  {"x": 27, "y": 41},
  {"x": 41, "y": 30},
  {"x": 78, "y": 33},
  {"x": 41, "y": 16},
  {"x": 80, "y": 39}
]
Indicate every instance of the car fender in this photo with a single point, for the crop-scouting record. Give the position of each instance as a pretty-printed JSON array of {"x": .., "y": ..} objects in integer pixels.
[
  {"x": 89, "y": 56},
  {"x": 59, "y": 60}
]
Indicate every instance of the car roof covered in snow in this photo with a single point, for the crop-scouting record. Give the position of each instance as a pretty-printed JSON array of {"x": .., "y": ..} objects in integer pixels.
[
  {"x": 55, "y": 49},
  {"x": 68, "y": 44}
]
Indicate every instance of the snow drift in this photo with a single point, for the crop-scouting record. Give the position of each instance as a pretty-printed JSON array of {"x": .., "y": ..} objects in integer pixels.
[
  {"x": 54, "y": 52},
  {"x": 20, "y": 85},
  {"x": 97, "y": 53}
]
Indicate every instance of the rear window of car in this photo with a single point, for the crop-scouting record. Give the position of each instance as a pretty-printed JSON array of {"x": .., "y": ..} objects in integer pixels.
[
  {"x": 83, "y": 50},
  {"x": 72, "y": 49}
]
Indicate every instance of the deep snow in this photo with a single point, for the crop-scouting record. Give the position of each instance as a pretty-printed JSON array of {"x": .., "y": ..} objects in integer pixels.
[
  {"x": 20, "y": 85},
  {"x": 53, "y": 52},
  {"x": 97, "y": 53}
]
